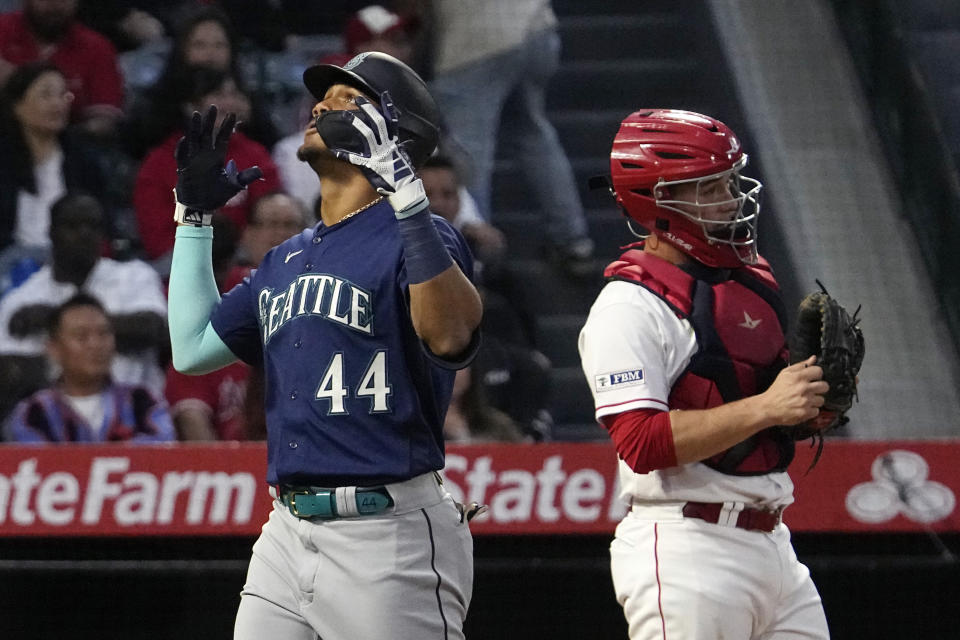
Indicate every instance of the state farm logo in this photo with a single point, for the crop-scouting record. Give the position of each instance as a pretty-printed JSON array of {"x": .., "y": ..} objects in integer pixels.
[
  {"x": 550, "y": 494},
  {"x": 900, "y": 486},
  {"x": 113, "y": 493}
]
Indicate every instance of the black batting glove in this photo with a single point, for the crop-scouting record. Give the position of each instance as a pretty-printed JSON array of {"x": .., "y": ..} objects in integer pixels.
[{"x": 203, "y": 182}]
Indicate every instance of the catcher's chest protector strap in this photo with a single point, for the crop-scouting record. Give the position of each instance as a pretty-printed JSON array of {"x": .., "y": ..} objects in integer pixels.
[{"x": 740, "y": 322}]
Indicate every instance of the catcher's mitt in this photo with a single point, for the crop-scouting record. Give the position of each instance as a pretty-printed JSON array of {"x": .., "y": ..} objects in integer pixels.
[{"x": 826, "y": 330}]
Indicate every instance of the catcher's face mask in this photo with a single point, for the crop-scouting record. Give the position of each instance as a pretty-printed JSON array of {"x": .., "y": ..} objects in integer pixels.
[{"x": 724, "y": 205}]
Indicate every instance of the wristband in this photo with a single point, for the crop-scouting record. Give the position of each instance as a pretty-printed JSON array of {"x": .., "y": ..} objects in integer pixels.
[
  {"x": 408, "y": 200},
  {"x": 424, "y": 253},
  {"x": 183, "y": 214}
]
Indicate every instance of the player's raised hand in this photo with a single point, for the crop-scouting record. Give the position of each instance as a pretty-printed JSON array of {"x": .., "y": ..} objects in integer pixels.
[
  {"x": 383, "y": 161},
  {"x": 203, "y": 182}
]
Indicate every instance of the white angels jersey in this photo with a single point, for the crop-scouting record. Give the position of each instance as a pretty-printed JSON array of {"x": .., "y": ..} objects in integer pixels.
[{"x": 633, "y": 349}]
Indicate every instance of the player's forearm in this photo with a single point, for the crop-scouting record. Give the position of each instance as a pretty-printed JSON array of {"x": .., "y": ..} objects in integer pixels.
[
  {"x": 193, "y": 294},
  {"x": 445, "y": 311},
  {"x": 701, "y": 433},
  {"x": 794, "y": 397}
]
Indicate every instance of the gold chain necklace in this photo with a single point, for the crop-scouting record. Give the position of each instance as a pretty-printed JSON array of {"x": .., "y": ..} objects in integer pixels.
[{"x": 363, "y": 208}]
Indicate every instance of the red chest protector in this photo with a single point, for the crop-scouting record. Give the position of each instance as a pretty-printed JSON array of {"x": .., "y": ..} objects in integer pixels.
[{"x": 740, "y": 322}]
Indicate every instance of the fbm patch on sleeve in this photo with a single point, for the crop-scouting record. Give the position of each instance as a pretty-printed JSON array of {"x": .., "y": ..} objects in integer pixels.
[{"x": 618, "y": 380}]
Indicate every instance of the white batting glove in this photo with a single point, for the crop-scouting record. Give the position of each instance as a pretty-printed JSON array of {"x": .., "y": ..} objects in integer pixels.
[{"x": 383, "y": 160}]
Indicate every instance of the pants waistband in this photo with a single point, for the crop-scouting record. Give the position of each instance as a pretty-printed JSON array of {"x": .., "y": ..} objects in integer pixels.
[
  {"x": 725, "y": 514},
  {"x": 329, "y": 503}
]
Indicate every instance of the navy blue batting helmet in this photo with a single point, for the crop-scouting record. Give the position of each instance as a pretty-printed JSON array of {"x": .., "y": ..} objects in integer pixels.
[{"x": 373, "y": 73}]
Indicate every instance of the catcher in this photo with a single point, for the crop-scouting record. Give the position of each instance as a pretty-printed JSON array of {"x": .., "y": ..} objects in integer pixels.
[{"x": 685, "y": 351}]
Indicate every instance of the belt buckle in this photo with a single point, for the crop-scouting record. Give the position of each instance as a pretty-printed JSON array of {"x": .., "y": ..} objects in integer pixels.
[
  {"x": 776, "y": 515},
  {"x": 292, "y": 502}
]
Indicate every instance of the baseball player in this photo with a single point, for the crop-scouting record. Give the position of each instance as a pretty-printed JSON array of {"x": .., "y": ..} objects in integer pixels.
[
  {"x": 359, "y": 323},
  {"x": 685, "y": 354}
]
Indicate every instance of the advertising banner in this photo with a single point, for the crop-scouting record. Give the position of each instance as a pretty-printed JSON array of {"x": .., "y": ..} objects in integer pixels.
[{"x": 559, "y": 488}]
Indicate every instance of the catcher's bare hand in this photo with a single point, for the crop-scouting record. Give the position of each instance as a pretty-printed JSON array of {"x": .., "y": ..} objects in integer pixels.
[{"x": 796, "y": 394}]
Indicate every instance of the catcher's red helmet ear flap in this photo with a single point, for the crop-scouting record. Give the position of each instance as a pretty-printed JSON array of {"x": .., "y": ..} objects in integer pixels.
[{"x": 657, "y": 150}]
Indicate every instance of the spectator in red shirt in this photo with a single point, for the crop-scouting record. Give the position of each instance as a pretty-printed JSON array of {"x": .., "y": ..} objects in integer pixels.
[
  {"x": 153, "y": 191},
  {"x": 209, "y": 407},
  {"x": 48, "y": 30}
]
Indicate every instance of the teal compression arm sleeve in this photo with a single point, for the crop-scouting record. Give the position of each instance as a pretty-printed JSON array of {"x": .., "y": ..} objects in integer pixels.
[{"x": 193, "y": 294}]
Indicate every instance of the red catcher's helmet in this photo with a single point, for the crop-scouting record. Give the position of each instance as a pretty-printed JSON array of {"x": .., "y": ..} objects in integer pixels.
[{"x": 657, "y": 149}]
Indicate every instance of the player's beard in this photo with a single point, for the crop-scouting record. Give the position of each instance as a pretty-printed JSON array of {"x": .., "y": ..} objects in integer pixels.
[
  {"x": 310, "y": 155},
  {"x": 319, "y": 158}
]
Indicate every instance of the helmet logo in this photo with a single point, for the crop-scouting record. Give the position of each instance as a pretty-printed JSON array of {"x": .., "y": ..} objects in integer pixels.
[
  {"x": 355, "y": 60},
  {"x": 734, "y": 146},
  {"x": 673, "y": 238}
]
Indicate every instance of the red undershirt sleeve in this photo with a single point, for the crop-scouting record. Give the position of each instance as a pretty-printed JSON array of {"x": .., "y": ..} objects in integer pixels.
[{"x": 643, "y": 439}]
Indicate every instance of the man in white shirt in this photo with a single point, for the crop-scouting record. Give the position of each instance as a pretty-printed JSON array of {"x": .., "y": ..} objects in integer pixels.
[{"x": 131, "y": 292}]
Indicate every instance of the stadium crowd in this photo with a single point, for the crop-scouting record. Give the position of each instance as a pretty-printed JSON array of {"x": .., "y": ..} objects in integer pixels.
[{"x": 93, "y": 99}]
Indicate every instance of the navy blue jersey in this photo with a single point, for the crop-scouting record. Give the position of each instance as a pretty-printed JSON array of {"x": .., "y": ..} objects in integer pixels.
[{"x": 353, "y": 397}]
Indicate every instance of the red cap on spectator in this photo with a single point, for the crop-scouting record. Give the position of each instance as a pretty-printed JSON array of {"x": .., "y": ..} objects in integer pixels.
[{"x": 373, "y": 21}]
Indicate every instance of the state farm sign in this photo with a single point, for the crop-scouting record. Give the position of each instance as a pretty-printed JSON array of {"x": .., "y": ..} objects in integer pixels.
[
  {"x": 113, "y": 492},
  {"x": 81, "y": 490},
  {"x": 220, "y": 489},
  {"x": 563, "y": 488}
]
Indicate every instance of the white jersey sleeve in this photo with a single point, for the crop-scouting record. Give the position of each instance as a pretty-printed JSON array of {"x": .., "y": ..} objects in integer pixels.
[{"x": 633, "y": 348}]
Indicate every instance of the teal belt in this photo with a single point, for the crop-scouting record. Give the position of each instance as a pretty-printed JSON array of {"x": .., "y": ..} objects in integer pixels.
[{"x": 322, "y": 503}]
